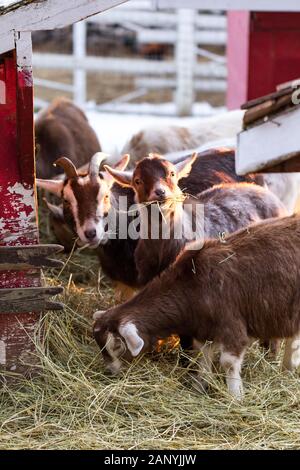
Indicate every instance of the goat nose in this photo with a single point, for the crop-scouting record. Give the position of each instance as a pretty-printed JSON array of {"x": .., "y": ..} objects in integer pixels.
[
  {"x": 160, "y": 192},
  {"x": 90, "y": 234}
]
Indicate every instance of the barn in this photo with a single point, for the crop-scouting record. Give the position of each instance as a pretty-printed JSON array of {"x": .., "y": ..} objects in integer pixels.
[
  {"x": 60, "y": 397},
  {"x": 21, "y": 289}
]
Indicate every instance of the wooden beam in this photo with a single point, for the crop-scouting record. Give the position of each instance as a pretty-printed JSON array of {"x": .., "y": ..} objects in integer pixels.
[
  {"x": 28, "y": 257},
  {"x": 290, "y": 165},
  {"x": 250, "y": 5},
  {"x": 272, "y": 144},
  {"x": 52, "y": 14},
  {"x": 32, "y": 299}
]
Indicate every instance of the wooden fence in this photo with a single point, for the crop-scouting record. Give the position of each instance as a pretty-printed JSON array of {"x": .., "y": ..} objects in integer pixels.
[{"x": 189, "y": 31}]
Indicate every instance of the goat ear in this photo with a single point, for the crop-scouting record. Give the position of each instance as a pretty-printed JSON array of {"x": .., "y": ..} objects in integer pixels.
[
  {"x": 53, "y": 186},
  {"x": 123, "y": 163},
  {"x": 184, "y": 168},
  {"x": 155, "y": 155},
  {"x": 98, "y": 314},
  {"x": 133, "y": 341},
  {"x": 57, "y": 211},
  {"x": 118, "y": 174}
]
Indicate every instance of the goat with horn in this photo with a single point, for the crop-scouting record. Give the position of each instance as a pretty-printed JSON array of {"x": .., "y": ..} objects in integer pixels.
[{"x": 88, "y": 198}]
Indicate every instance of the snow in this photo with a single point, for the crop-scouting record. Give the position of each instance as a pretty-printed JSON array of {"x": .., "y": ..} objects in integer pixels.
[{"x": 114, "y": 130}]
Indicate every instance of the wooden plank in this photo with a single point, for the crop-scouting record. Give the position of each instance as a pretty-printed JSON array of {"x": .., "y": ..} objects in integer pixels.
[
  {"x": 17, "y": 198},
  {"x": 123, "y": 65},
  {"x": 271, "y": 143},
  {"x": 155, "y": 18},
  {"x": 270, "y": 96},
  {"x": 258, "y": 111},
  {"x": 267, "y": 110},
  {"x": 162, "y": 36},
  {"x": 249, "y": 5},
  {"x": 34, "y": 299},
  {"x": 29, "y": 257},
  {"x": 52, "y": 14},
  {"x": 239, "y": 23},
  {"x": 290, "y": 165}
]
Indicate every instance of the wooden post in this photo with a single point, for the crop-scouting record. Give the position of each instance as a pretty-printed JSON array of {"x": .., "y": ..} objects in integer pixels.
[
  {"x": 238, "y": 47},
  {"x": 79, "y": 80},
  {"x": 185, "y": 61},
  {"x": 17, "y": 198}
]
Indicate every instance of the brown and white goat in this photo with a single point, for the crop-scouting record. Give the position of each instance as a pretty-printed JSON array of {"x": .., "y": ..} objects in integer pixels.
[
  {"x": 227, "y": 208},
  {"x": 117, "y": 255},
  {"x": 87, "y": 201},
  {"x": 63, "y": 129},
  {"x": 226, "y": 293}
]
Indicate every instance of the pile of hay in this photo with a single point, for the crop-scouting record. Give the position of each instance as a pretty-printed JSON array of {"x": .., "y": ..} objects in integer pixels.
[{"x": 73, "y": 404}]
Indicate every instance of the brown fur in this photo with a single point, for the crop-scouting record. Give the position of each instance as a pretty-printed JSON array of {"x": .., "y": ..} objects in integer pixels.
[
  {"x": 228, "y": 293},
  {"x": 228, "y": 207},
  {"x": 151, "y": 172},
  {"x": 63, "y": 130}
]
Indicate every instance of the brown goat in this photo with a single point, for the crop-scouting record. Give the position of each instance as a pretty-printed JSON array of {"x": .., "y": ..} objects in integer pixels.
[
  {"x": 227, "y": 207},
  {"x": 63, "y": 129},
  {"x": 154, "y": 177},
  {"x": 227, "y": 293}
]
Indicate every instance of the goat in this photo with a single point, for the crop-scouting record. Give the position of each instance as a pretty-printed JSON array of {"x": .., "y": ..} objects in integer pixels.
[
  {"x": 63, "y": 129},
  {"x": 228, "y": 207},
  {"x": 88, "y": 200},
  {"x": 284, "y": 185},
  {"x": 208, "y": 168},
  {"x": 165, "y": 139},
  {"x": 226, "y": 293},
  {"x": 216, "y": 166}
]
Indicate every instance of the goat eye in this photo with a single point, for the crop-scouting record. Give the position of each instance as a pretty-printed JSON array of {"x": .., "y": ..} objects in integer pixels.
[
  {"x": 172, "y": 174},
  {"x": 138, "y": 182},
  {"x": 66, "y": 202}
]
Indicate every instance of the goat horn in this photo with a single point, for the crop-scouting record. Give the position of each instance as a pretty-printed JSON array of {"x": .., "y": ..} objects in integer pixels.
[
  {"x": 96, "y": 162},
  {"x": 68, "y": 167}
]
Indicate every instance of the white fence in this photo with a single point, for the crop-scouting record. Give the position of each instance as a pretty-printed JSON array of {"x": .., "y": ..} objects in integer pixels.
[{"x": 187, "y": 30}]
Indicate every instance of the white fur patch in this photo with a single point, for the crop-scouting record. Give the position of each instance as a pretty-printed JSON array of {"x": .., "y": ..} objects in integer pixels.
[
  {"x": 232, "y": 365},
  {"x": 291, "y": 358},
  {"x": 93, "y": 223},
  {"x": 115, "y": 351},
  {"x": 134, "y": 342}
]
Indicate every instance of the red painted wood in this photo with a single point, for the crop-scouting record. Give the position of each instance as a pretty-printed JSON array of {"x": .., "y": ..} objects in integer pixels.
[
  {"x": 263, "y": 56},
  {"x": 17, "y": 208},
  {"x": 238, "y": 57}
]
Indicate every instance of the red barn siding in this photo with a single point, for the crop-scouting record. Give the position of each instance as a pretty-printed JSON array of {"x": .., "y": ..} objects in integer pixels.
[
  {"x": 17, "y": 208},
  {"x": 263, "y": 51}
]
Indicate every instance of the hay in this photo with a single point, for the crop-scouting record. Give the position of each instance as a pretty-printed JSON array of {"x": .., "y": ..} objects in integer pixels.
[{"x": 73, "y": 404}]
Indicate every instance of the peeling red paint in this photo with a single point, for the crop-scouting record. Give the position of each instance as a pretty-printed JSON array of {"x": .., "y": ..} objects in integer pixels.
[{"x": 17, "y": 199}]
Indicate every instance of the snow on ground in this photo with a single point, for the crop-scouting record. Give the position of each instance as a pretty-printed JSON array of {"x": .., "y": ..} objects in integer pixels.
[{"x": 115, "y": 129}]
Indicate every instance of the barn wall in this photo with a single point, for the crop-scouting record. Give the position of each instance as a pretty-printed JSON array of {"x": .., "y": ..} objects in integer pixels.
[{"x": 17, "y": 200}]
